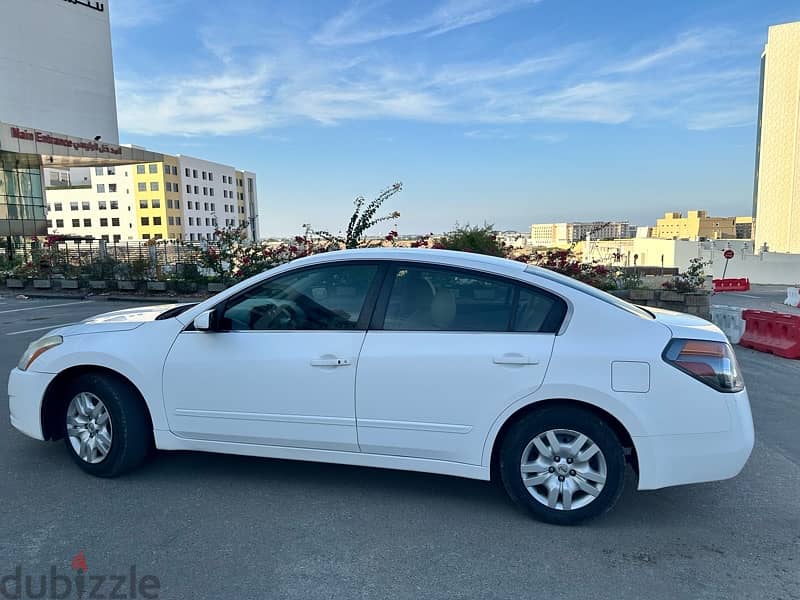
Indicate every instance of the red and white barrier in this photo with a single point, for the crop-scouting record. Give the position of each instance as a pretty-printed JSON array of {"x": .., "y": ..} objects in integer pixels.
[
  {"x": 772, "y": 332},
  {"x": 731, "y": 285}
]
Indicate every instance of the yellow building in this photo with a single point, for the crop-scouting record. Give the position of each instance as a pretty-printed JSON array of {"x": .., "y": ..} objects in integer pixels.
[
  {"x": 157, "y": 200},
  {"x": 776, "y": 198},
  {"x": 695, "y": 225}
]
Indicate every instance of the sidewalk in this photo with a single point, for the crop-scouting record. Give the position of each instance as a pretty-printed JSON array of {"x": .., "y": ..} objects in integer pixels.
[{"x": 106, "y": 296}]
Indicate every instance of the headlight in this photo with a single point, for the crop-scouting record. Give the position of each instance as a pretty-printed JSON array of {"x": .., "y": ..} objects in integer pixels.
[{"x": 37, "y": 348}]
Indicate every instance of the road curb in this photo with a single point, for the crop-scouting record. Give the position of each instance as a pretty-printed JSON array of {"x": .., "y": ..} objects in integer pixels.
[{"x": 109, "y": 298}]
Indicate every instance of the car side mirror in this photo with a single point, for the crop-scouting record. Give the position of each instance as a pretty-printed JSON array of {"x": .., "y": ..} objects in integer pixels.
[{"x": 205, "y": 321}]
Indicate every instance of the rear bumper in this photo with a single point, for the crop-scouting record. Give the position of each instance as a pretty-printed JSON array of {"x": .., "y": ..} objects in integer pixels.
[
  {"x": 666, "y": 460},
  {"x": 25, "y": 394}
]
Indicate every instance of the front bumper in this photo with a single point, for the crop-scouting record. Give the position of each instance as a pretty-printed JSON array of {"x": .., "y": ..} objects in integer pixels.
[
  {"x": 666, "y": 460},
  {"x": 26, "y": 391}
]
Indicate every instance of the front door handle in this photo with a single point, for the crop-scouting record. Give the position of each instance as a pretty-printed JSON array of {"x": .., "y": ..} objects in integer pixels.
[
  {"x": 514, "y": 359},
  {"x": 329, "y": 362}
]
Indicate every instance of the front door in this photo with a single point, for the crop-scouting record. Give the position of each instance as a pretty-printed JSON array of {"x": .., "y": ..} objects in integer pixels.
[
  {"x": 281, "y": 369},
  {"x": 451, "y": 349}
]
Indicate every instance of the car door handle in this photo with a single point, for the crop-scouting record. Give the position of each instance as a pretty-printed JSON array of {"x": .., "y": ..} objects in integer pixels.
[
  {"x": 329, "y": 362},
  {"x": 514, "y": 359}
]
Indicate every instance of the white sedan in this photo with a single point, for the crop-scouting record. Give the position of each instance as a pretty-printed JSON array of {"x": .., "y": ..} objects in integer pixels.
[{"x": 424, "y": 360}]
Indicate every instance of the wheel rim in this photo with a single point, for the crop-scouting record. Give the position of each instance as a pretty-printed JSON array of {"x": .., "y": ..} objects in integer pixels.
[
  {"x": 563, "y": 469},
  {"x": 89, "y": 427}
]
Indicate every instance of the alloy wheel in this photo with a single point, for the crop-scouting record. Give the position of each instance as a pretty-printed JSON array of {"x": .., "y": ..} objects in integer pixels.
[{"x": 89, "y": 427}]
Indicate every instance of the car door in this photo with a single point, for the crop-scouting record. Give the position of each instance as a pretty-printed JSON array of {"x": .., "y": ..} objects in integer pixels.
[
  {"x": 447, "y": 351},
  {"x": 280, "y": 367}
]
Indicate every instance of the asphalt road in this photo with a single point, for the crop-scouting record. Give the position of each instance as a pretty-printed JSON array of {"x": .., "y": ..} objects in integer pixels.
[
  {"x": 228, "y": 527},
  {"x": 760, "y": 297}
]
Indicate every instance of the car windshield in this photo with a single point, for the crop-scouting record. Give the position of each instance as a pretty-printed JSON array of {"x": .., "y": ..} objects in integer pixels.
[
  {"x": 175, "y": 311},
  {"x": 591, "y": 291}
]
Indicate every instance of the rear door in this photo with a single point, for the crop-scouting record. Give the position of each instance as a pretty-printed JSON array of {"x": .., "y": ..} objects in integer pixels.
[{"x": 447, "y": 351}]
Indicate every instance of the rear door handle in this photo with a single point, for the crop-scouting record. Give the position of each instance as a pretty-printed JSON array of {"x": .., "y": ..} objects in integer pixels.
[
  {"x": 514, "y": 359},
  {"x": 329, "y": 362}
]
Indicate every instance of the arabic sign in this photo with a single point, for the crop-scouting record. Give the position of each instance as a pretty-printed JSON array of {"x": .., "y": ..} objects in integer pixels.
[
  {"x": 46, "y": 138},
  {"x": 98, "y": 6}
]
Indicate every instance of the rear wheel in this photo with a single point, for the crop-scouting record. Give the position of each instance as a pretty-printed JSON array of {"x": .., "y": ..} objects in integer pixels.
[
  {"x": 106, "y": 430},
  {"x": 563, "y": 465}
]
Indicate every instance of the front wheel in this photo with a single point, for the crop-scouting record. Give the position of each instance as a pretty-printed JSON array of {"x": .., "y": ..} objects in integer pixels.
[
  {"x": 105, "y": 428},
  {"x": 562, "y": 464}
]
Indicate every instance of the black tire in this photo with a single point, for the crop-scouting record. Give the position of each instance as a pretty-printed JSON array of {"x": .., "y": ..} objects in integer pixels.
[
  {"x": 132, "y": 435},
  {"x": 538, "y": 422}
]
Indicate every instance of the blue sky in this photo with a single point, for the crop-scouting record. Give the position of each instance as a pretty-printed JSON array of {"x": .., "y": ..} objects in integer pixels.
[{"x": 502, "y": 111}]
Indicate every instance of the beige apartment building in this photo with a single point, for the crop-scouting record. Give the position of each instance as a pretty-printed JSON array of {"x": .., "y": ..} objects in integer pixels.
[
  {"x": 776, "y": 189},
  {"x": 697, "y": 224}
]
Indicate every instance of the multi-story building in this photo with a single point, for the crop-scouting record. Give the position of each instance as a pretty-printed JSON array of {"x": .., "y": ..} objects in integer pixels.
[
  {"x": 549, "y": 234},
  {"x": 776, "y": 194},
  {"x": 178, "y": 198},
  {"x": 697, "y": 224}
]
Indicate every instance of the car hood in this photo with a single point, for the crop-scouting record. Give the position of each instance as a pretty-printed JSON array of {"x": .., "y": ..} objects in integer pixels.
[
  {"x": 688, "y": 326},
  {"x": 118, "y": 320}
]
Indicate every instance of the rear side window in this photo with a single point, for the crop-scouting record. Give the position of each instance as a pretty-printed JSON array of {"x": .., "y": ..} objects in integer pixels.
[{"x": 437, "y": 299}]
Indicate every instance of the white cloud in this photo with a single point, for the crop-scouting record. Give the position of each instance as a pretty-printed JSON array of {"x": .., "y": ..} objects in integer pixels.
[{"x": 353, "y": 26}]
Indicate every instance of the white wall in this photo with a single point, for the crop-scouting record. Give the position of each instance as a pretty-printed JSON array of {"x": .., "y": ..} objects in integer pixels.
[{"x": 56, "y": 69}]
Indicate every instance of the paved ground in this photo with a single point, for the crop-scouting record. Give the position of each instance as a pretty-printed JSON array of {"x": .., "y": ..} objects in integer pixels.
[
  {"x": 761, "y": 297},
  {"x": 230, "y": 527}
]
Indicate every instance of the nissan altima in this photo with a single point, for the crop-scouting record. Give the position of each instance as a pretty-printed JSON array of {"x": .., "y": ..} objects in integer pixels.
[{"x": 424, "y": 360}]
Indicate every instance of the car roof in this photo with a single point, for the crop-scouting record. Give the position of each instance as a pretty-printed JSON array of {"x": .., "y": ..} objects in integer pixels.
[{"x": 427, "y": 255}]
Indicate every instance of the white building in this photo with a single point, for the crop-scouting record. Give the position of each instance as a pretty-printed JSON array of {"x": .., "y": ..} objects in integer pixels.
[{"x": 554, "y": 234}]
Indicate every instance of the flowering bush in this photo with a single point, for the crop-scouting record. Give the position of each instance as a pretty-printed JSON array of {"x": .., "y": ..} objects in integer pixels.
[
  {"x": 566, "y": 263},
  {"x": 690, "y": 280}
]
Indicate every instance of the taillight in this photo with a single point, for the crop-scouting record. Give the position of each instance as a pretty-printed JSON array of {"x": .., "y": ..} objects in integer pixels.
[{"x": 713, "y": 363}]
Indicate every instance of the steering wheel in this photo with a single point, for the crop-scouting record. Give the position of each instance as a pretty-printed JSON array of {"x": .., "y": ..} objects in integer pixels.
[{"x": 284, "y": 317}]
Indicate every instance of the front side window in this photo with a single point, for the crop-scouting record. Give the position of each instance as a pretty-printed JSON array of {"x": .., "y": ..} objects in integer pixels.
[{"x": 330, "y": 297}]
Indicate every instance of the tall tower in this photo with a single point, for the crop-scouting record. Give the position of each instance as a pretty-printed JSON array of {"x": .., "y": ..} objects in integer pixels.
[{"x": 776, "y": 193}]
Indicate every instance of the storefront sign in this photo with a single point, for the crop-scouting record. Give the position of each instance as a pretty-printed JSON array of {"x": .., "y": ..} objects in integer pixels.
[
  {"x": 46, "y": 138},
  {"x": 98, "y": 6}
]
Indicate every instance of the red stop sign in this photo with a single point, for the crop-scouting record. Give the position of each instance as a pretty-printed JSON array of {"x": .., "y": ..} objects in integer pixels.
[{"x": 728, "y": 254}]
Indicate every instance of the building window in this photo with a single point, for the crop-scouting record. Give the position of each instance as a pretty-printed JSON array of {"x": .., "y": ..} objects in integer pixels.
[
  {"x": 224, "y": 193},
  {"x": 210, "y": 176},
  {"x": 158, "y": 236},
  {"x": 57, "y": 206},
  {"x": 101, "y": 188},
  {"x": 111, "y": 170},
  {"x": 145, "y": 221},
  {"x": 170, "y": 220},
  {"x": 169, "y": 203},
  {"x": 112, "y": 187},
  {"x": 191, "y": 237},
  {"x": 98, "y": 170},
  {"x": 189, "y": 204},
  {"x": 140, "y": 169},
  {"x": 208, "y": 236},
  {"x": 117, "y": 237},
  {"x": 191, "y": 220},
  {"x": 156, "y": 220},
  {"x": 153, "y": 168},
  {"x": 177, "y": 220},
  {"x": 87, "y": 222},
  {"x": 156, "y": 203},
  {"x": 194, "y": 173},
  {"x": 102, "y": 205},
  {"x": 174, "y": 170},
  {"x": 213, "y": 208},
  {"x": 211, "y": 191},
  {"x": 115, "y": 222},
  {"x": 59, "y": 222},
  {"x": 208, "y": 222},
  {"x": 145, "y": 236},
  {"x": 103, "y": 222},
  {"x": 142, "y": 203},
  {"x": 205, "y": 191},
  {"x": 169, "y": 186},
  {"x": 153, "y": 186},
  {"x": 142, "y": 186},
  {"x": 205, "y": 206},
  {"x": 104, "y": 238},
  {"x": 204, "y": 174},
  {"x": 188, "y": 189},
  {"x": 224, "y": 179},
  {"x": 76, "y": 222},
  {"x": 49, "y": 224},
  {"x": 114, "y": 204}
]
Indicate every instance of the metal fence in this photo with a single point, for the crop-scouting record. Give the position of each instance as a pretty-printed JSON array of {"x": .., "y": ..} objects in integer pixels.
[{"x": 107, "y": 260}]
